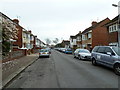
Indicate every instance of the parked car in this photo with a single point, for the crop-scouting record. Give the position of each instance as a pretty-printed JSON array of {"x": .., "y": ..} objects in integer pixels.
[
  {"x": 108, "y": 56},
  {"x": 58, "y": 49},
  {"x": 68, "y": 50},
  {"x": 62, "y": 50},
  {"x": 49, "y": 49},
  {"x": 82, "y": 54},
  {"x": 44, "y": 53}
]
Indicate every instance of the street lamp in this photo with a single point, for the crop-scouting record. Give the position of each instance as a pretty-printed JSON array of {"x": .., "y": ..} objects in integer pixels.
[
  {"x": 118, "y": 24},
  {"x": 115, "y": 5}
]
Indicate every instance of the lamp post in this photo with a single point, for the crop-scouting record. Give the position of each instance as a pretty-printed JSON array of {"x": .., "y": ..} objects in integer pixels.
[{"x": 118, "y": 23}]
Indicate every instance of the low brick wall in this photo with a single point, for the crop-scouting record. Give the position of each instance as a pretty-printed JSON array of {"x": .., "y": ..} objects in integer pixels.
[
  {"x": 13, "y": 55},
  {"x": 36, "y": 51}
]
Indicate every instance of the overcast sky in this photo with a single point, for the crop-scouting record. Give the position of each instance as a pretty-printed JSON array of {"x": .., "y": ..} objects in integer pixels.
[{"x": 58, "y": 18}]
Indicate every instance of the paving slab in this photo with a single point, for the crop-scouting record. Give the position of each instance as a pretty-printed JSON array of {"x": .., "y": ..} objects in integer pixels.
[{"x": 12, "y": 68}]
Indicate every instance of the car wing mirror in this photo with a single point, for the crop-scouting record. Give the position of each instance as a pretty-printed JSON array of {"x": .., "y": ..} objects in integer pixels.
[{"x": 109, "y": 53}]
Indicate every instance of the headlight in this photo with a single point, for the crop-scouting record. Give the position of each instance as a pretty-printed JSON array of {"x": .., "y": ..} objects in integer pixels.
[{"x": 83, "y": 55}]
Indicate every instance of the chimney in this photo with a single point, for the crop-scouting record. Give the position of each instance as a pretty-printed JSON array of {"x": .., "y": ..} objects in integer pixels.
[
  {"x": 16, "y": 21},
  {"x": 79, "y": 32},
  {"x": 94, "y": 23},
  {"x": 29, "y": 31}
]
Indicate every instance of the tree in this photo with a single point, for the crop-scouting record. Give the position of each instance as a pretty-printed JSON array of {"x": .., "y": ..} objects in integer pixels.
[
  {"x": 9, "y": 31},
  {"x": 48, "y": 41},
  {"x": 56, "y": 40}
]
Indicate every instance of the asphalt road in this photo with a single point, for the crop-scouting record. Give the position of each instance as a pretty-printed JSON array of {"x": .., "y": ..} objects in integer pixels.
[{"x": 63, "y": 71}]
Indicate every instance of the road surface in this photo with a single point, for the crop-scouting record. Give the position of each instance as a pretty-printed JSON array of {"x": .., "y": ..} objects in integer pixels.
[{"x": 63, "y": 71}]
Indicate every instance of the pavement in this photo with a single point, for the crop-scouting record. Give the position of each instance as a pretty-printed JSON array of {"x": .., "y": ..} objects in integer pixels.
[{"x": 12, "y": 68}]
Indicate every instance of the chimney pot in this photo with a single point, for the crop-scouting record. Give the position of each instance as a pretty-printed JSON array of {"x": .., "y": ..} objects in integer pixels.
[
  {"x": 29, "y": 31},
  {"x": 94, "y": 23},
  {"x": 16, "y": 21}
]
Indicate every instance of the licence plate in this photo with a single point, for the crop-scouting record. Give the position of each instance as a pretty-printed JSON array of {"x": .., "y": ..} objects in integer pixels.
[{"x": 43, "y": 53}]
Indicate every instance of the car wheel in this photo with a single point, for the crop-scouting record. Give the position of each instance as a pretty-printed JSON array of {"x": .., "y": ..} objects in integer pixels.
[
  {"x": 79, "y": 57},
  {"x": 94, "y": 62},
  {"x": 117, "y": 69}
]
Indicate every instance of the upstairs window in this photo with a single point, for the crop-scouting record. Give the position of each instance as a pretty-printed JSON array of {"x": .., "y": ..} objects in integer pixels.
[
  {"x": 83, "y": 37},
  {"x": 113, "y": 28},
  {"x": 89, "y": 35}
]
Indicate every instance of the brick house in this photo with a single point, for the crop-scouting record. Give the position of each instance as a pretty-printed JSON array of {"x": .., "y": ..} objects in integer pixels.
[
  {"x": 31, "y": 41},
  {"x": 112, "y": 28},
  {"x": 87, "y": 37},
  {"x": 12, "y": 29},
  {"x": 100, "y": 34},
  {"x": 18, "y": 43},
  {"x": 66, "y": 43},
  {"x": 73, "y": 44},
  {"x": 22, "y": 42},
  {"x": 95, "y": 35},
  {"x": 43, "y": 45},
  {"x": 26, "y": 40},
  {"x": 37, "y": 44},
  {"x": 79, "y": 40}
]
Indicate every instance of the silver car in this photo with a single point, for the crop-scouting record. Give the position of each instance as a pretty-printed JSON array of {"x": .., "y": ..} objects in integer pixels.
[
  {"x": 83, "y": 54},
  {"x": 108, "y": 56},
  {"x": 44, "y": 53}
]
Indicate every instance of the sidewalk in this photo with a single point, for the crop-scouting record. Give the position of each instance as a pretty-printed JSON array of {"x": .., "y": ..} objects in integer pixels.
[{"x": 13, "y": 68}]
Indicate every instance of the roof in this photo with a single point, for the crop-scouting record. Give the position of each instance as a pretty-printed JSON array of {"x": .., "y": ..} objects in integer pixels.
[
  {"x": 5, "y": 16},
  {"x": 73, "y": 37},
  {"x": 114, "y": 20},
  {"x": 78, "y": 34},
  {"x": 66, "y": 42},
  {"x": 87, "y": 30},
  {"x": 93, "y": 26}
]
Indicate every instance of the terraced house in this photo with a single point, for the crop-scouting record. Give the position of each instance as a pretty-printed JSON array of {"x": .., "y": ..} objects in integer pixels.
[
  {"x": 112, "y": 28},
  {"x": 95, "y": 35},
  {"x": 79, "y": 40},
  {"x": 100, "y": 34},
  {"x": 87, "y": 38},
  {"x": 73, "y": 42},
  {"x": 19, "y": 41},
  {"x": 9, "y": 36}
]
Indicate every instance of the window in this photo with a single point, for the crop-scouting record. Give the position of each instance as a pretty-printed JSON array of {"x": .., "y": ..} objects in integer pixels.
[
  {"x": 89, "y": 35},
  {"x": 113, "y": 28},
  {"x": 72, "y": 40},
  {"x": 78, "y": 38},
  {"x": 83, "y": 51},
  {"x": 83, "y": 37},
  {"x": 83, "y": 45},
  {"x": 117, "y": 50},
  {"x": 110, "y": 29},
  {"x": 109, "y": 50},
  {"x": 95, "y": 49},
  {"x": 101, "y": 50}
]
